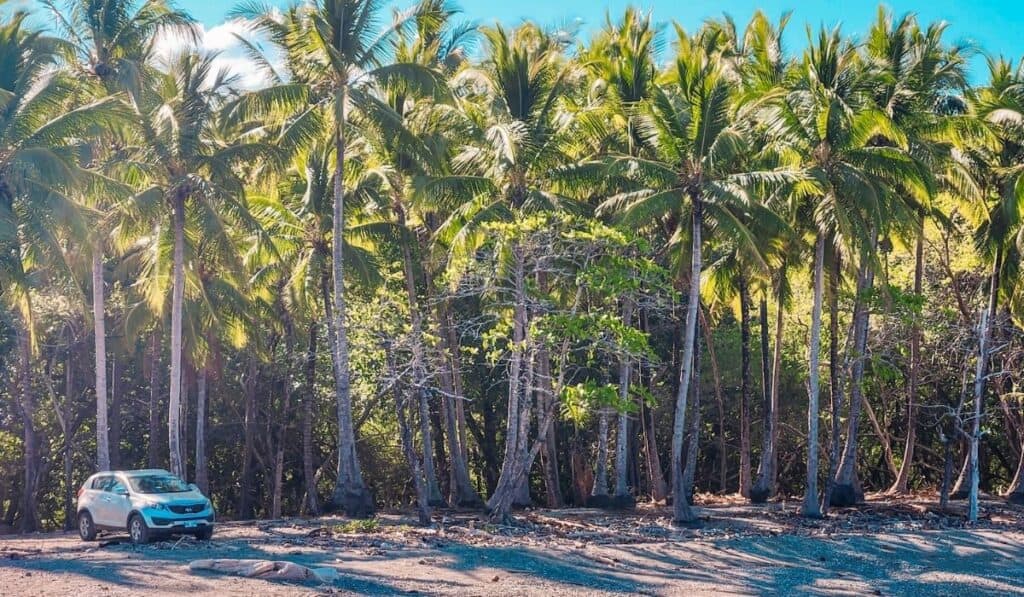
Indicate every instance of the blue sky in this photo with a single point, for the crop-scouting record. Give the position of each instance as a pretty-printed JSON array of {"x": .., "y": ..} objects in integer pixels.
[{"x": 995, "y": 26}]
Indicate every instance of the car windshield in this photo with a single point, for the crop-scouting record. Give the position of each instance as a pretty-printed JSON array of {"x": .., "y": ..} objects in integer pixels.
[{"x": 158, "y": 484}]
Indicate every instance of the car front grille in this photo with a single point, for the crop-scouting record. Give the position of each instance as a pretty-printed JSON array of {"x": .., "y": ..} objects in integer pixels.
[{"x": 187, "y": 508}]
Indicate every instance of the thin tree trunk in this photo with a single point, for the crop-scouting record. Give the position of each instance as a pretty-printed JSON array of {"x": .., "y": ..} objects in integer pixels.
[
  {"x": 114, "y": 416},
  {"x": 745, "y": 387},
  {"x": 177, "y": 304},
  {"x": 549, "y": 455},
  {"x": 462, "y": 492},
  {"x": 100, "y": 337},
  {"x": 812, "y": 507},
  {"x": 681, "y": 509},
  {"x": 406, "y": 438},
  {"x": 68, "y": 428},
  {"x": 245, "y": 501},
  {"x": 709, "y": 341},
  {"x": 622, "y": 437},
  {"x": 29, "y": 514},
  {"x": 900, "y": 485},
  {"x": 600, "y": 489},
  {"x": 282, "y": 432},
  {"x": 981, "y": 370},
  {"x": 153, "y": 447},
  {"x": 312, "y": 505},
  {"x": 350, "y": 493},
  {"x": 202, "y": 472},
  {"x": 835, "y": 380},
  {"x": 765, "y": 486}
]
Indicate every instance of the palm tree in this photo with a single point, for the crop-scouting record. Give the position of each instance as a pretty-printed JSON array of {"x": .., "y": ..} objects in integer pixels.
[
  {"x": 855, "y": 154},
  {"x": 996, "y": 177},
  {"x": 111, "y": 42},
  {"x": 695, "y": 164},
  {"x": 38, "y": 173}
]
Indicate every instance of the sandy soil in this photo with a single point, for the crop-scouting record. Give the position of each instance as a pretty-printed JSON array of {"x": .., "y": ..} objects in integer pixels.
[{"x": 878, "y": 549}]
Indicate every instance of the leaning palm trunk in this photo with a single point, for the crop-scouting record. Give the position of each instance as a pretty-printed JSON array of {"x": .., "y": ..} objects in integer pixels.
[
  {"x": 765, "y": 485},
  {"x": 681, "y": 509},
  {"x": 100, "y": 338},
  {"x": 846, "y": 490},
  {"x": 900, "y": 485},
  {"x": 177, "y": 304},
  {"x": 350, "y": 493},
  {"x": 811, "y": 506}
]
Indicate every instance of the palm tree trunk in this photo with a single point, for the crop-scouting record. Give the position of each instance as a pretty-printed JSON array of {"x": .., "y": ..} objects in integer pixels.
[
  {"x": 350, "y": 493},
  {"x": 681, "y": 509},
  {"x": 745, "y": 387},
  {"x": 622, "y": 437},
  {"x": 419, "y": 372},
  {"x": 202, "y": 471},
  {"x": 981, "y": 370},
  {"x": 509, "y": 479},
  {"x": 406, "y": 438},
  {"x": 846, "y": 490},
  {"x": 811, "y": 507},
  {"x": 177, "y": 305},
  {"x": 765, "y": 485},
  {"x": 709, "y": 342},
  {"x": 312, "y": 505},
  {"x": 693, "y": 444},
  {"x": 900, "y": 485},
  {"x": 100, "y": 337},
  {"x": 835, "y": 380}
]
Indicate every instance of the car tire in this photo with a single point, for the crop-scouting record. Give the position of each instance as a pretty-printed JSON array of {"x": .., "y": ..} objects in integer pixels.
[
  {"x": 86, "y": 526},
  {"x": 137, "y": 530},
  {"x": 204, "y": 533}
]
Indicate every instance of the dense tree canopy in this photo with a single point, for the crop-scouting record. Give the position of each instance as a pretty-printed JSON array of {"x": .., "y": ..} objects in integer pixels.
[{"x": 434, "y": 263}]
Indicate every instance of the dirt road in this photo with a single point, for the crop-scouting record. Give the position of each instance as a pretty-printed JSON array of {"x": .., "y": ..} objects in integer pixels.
[{"x": 730, "y": 554}]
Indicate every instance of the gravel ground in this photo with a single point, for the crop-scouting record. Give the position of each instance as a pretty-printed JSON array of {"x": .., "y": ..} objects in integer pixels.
[{"x": 738, "y": 550}]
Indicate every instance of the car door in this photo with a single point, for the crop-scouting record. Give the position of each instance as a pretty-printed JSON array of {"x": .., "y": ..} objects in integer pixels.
[
  {"x": 100, "y": 506},
  {"x": 119, "y": 505}
]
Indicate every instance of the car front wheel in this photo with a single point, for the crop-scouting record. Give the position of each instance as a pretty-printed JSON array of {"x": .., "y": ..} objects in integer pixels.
[
  {"x": 138, "y": 530},
  {"x": 86, "y": 527}
]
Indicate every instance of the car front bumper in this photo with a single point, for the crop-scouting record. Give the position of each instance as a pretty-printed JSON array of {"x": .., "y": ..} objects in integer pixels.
[{"x": 176, "y": 523}]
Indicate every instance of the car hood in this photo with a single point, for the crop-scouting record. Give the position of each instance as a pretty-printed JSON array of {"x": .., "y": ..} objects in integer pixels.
[{"x": 185, "y": 497}]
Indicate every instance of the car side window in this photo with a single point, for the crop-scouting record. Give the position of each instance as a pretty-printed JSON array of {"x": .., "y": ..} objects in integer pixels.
[
  {"x": 102, "y": 483},
  {"x": 116, "y": 486}
]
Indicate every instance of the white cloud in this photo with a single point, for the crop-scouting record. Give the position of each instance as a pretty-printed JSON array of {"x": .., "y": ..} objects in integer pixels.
[{"x": 221, "y": 40}]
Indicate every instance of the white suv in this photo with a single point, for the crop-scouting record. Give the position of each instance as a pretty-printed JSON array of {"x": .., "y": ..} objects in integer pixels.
[{"x": 146, "y": 503}]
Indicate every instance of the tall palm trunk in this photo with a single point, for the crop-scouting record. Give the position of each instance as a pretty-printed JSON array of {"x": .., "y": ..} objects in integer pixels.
[
  {"x": 768, "y": 469},
  {"x": 622, "y": 437},
  {"x": 900, "y": 485},
  {"x": 681, "y": 512},
  {"x": 981, "y": 369},
  {"x": 693, "y": 444},
  {"x": 419, "y": 373},
  {"x": 177, "y": 304},
  {"x": 312, "y": 505},
  {"x": 202, "y": 472},
  {"x": 100, "y": 337},
  {"x": 745, "y": 387},
  {"x": 811, "y": 507},
  {"x": 350, "y": 493},
  {"x": 846, "y": 490},
  {"x": 835, "y": 380},
  {"x": 29, "y": 513}
]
